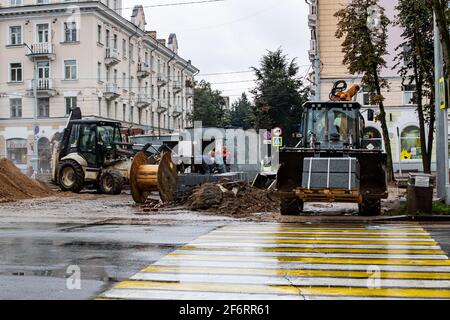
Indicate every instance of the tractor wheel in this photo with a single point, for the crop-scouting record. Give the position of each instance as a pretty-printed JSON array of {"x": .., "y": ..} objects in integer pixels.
[
  {"x": 111, "y": 182},
  {"x": 291, "y": 207},
  {"x": 70, "y": 176},
  {"x": 370, "y": 208}
]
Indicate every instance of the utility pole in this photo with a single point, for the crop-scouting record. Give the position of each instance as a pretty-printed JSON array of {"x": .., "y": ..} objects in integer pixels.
[
  {"x": 441, "y": 123},
  {"x": 35, "y": 156}
]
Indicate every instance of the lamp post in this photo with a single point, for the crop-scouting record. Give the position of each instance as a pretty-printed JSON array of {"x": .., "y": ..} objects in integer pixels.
[
  {"x": 35, "y": 156},
  {"x": 441, "y": 124}
]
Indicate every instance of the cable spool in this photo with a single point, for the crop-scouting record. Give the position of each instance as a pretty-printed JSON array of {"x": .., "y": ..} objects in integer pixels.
[{"x": 146, "y": 178}]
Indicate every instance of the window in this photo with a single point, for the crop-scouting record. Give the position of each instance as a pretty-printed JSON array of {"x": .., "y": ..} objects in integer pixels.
[
  {"x": 124, "y": 111},
  {"x": 70, "y": 32},
  {"x": 366, "y": 96},
  {"x": 14, "y": 3},
  {"x": 99, "y": 34},
  {"x": 70, "y": 69},
  {"x": 99, "y": 106},
  {"x": 410, "y": 144},
  {"x": 115, "y": 41},
  {"x": 71, "y": 103},
  {"x": 124, "y": 48},
  {"x": 16, "y": 108},
  {"x": 107, "y": 38},
  {"x": 16, "y": 150},
  {"x": 116, "y": 106},
  {"x": 15, "y": 72},
  {"x": 124, "y": 81},
  {"x": 372, "y": 139},
  {"x": 131, "y": 51},
  {"x": 99, "y": 71},
  {"x": 43, "y": 107},
  {"x": 108, "y": 109},
  {"x": 131, "y": 114},
  {"x": 15, "y": 35},
  {"x": 409, "y": 95},
  {"x": 42, "y": 33}
]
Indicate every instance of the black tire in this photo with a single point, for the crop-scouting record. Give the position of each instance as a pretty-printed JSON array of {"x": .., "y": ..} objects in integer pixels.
[
  {"x": 111, "y": 182},
  {"x": 291, "y": 207},
  {"x": 370, "y": 208},
  {"x": 70, "y": 176}
]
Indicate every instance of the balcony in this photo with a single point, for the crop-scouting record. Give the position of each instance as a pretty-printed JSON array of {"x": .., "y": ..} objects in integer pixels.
[
  {"x": 112, "y": 57},
  {"x": 144, "y": 70},
  {"x": 177, "y": 86},
  {"x": 44, "y": 88},
  {"x": 312, "y": 20},
  {"x": 161, "y": 107},
  {"x": 162, "y": 80},
  {"x": 189, "y": 92},
  {"x": 143, "y": 101},
  {"x": 111, "y": 91},
  {"x": 41, "y": 51},
  {"x": 177, "y": 111}
]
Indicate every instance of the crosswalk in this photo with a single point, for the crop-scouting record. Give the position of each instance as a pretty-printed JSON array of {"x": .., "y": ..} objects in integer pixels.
[{"x": 298, "y": 262}]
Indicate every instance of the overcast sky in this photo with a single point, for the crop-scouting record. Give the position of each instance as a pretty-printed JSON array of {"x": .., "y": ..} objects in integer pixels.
[{"x": 232, "y": 35}]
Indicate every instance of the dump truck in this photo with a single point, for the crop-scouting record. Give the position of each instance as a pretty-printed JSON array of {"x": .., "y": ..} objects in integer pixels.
[{"x": 330, "y": 164}]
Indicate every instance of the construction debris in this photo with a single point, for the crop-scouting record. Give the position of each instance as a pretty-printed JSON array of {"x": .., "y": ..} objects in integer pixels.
[
  {"x": 14, "y": 185},
  {"x": 232, "y": 198}
]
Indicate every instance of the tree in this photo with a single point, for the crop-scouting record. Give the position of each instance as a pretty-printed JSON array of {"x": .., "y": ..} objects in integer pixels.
[
  {"x": 209, "y": 106},
  {"x": 415, "y": 59},
  {"x": 440, "y": 8},
  {"x": 241, "y": 114},
  {"x": 363, "y": 25},
  {"x": 279, "y": 94}
]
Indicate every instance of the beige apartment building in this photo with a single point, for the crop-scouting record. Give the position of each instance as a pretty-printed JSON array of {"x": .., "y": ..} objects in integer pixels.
[
  {"x": 58, "y": 54},
  {"x": 326, "y": 58}
]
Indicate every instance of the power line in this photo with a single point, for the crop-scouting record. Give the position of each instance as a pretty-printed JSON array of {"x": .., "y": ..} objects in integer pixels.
[{"x": 172, "y": 4}]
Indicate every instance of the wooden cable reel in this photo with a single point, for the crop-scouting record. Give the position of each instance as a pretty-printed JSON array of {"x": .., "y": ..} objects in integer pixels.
[{"x": 146, "y": 178}]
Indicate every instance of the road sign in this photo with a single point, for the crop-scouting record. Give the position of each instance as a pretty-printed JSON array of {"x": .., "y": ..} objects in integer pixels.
[
  {"x": 277, "y": 142},
  {"x": 267, "y": 135},
  {"x": 277, "y": 132},
  {"x": 442, "y": 94}
]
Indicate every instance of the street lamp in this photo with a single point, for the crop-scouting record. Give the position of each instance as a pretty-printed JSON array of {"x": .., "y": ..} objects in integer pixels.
[{"x": 35, "y": 156}]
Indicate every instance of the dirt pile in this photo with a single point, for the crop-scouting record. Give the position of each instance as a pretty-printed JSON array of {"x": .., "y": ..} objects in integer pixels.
[
  {"x": 14, "y": 185},
  {"x": 232, "y": 198}
]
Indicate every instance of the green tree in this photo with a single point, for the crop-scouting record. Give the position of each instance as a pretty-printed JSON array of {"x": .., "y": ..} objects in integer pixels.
[
  {"x": 441, "y": 10},
  {"x": 279, "y": 94},
  {"x": 209, "y": 106},
  {"x": 363, "y": 26},
  {"x": 241, "y": 114},
  {"x": 415, "y": 61}
]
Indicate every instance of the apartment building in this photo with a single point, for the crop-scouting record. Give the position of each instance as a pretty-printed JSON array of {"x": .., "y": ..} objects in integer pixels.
[
  {"x": 326, "y": 58},
  {"x": 58, "y": 54}
]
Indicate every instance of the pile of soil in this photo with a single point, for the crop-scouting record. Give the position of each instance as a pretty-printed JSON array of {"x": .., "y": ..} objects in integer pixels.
[
  {"x": 14, "y": 185},
  {"x": 232, "y": 198}
]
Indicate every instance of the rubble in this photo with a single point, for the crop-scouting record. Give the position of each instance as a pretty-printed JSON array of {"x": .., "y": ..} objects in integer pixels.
[
  {"x": 232, "y": 198},
  {"x": 14, "y": 185}
]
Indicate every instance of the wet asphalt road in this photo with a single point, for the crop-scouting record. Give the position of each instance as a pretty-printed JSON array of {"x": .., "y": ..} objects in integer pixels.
[{"x": 34, "y": 257}]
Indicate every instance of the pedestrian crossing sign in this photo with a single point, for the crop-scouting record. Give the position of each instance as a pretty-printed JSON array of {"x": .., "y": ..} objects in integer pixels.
[
  {"x": 442, "y": 94},
  {"x": 277, "y": 142}
]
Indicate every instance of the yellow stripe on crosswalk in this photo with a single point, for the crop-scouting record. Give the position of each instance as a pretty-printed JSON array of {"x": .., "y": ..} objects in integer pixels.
[
  {"x": 366, "y": 261},
  {"x": 285, "y": 290},
  {"x": 312, "y": 250},
  {"x": 297, "y": 273},
  {"x": 312, "y": 241},
  {"x": 406, "y": 231},
  {"x": 329, "y": 235}
]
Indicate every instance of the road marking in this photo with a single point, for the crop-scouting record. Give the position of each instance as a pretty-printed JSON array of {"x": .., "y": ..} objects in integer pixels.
[
  {"x": 284, "y": 261},
  {"x": 294, "y": 272},
  {"x": 312, "y": 249}
]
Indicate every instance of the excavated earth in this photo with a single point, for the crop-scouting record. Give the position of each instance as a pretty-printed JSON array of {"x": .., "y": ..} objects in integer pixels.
[{"x": 14, "y": 185}]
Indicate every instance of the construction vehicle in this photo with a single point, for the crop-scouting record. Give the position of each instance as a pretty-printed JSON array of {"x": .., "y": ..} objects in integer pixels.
[
  {"x": 329, "y": 164},
  {"x": 91, "y": 153}
]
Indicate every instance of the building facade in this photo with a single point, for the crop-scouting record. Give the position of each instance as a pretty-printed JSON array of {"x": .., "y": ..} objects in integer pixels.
[
  {"x": 58, "y": 55},
  {"x": 326, "y": 58}
]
